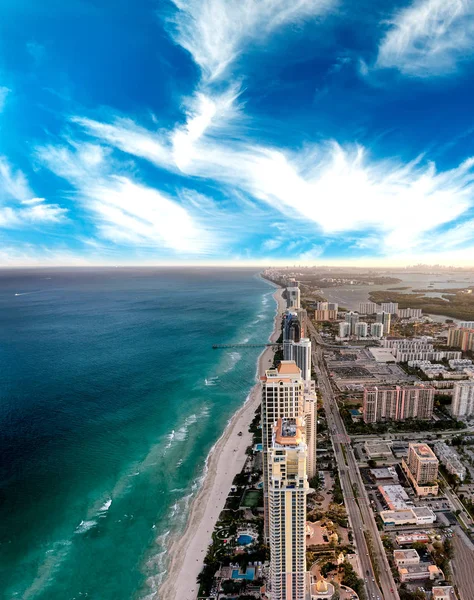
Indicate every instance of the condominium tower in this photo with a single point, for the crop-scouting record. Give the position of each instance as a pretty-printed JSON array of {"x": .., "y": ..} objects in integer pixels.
[
  {"x": 396, "y": 403},
  {"x": 289, "y": 458},
  {"x": 384, "y": 318},
  {"x": 287, "y": 490},
  {"x": 352, "y": 318},
  {"x": 293, "y": 296},
  {"x": 282, "y": 397},
  {"x": 421, "y": 467},
  {"x": 300, "y": 352},
  {"x": 463, "y": 399}
]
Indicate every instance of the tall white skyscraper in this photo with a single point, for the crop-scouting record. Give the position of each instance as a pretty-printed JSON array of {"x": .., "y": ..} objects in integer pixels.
[
  {"x": 368, "y": 308},
  {"x": 376, "y": 330},
  {"x": 287, "y": 490},
  {"x": 390, "y": 307},
  {"x": 302, "y": 357},
  {"x": 463, "y": 399},
  {"x": 352, "y": 318},
  {"x": 361, "y": 329},
  {"x": 344, "y": 330},
  {"x": 311, "y": 422},
  {"x": 293, "y": 296},
  {"x": 385, "y": 319}
]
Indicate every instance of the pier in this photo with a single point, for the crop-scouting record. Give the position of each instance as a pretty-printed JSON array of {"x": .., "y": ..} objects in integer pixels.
[{"x": 218, "y": 346}]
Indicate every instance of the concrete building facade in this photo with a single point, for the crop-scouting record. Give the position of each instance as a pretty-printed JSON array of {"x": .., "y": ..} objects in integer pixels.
[{"x": 397, "y": 403}]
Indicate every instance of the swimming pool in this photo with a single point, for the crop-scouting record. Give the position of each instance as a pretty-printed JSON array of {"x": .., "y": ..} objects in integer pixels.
[
  {"x": 258, "y": 447},
  {"x": 249, "y": 574},
  {"x": 244, "y": 539}
]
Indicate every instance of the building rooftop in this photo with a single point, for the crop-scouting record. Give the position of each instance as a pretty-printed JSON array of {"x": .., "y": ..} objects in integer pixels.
[
  {"x": 424, "y": 451},
  {"x": 288, "y": 367},
  {"x": 289, "y": 432},
  {"x": 395, "y": 496},
  {"x": 408, "y": 554},
  {"x": 443, "y": 592}
]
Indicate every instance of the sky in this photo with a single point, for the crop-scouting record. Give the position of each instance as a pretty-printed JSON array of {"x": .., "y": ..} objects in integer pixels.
[{"x": 236, "y": 132}]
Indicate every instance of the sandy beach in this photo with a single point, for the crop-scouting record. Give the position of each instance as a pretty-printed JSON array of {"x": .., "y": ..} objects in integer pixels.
[{"x": 225, "y": 460}]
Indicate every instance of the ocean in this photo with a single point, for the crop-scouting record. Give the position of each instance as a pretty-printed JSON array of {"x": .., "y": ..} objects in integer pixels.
[{"x": 111, "y": 397}]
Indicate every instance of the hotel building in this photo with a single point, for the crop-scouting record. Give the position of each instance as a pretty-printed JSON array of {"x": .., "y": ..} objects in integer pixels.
[
  {"x": 287, "y": 490},
  {"x": 282, "y": 397},
  {"x": 397, "y": 403}
]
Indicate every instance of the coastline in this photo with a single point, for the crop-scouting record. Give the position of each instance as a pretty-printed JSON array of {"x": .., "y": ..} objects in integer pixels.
[{"x": 226, "y": 459}]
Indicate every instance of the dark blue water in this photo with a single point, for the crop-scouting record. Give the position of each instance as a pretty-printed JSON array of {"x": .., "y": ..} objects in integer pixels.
[{"x": 110, "y": 400}]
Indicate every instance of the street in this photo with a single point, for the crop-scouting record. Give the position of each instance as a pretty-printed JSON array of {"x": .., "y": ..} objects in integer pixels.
[{"x": 373, "y": 560}]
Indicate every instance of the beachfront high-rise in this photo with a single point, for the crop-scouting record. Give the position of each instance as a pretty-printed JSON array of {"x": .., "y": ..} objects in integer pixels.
[
  {"x": 282, "y": 397},
  {"x": 302, "y": 357},
  {"x": 287, "y": 489},
  {"x": 293, "y": 295}
]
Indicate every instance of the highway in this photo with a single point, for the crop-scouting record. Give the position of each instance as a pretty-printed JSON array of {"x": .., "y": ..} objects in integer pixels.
[{"x": 375, "y": 568}]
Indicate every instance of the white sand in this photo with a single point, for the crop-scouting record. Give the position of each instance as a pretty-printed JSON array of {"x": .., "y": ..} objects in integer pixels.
[{"x": 225, "y": 460}]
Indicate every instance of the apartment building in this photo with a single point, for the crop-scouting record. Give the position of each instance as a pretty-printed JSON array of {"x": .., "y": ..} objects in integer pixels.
[
  {"x": 397, "y": 403},
  {"x": 287, "y": 490},
  {"x": 463, "y": 399},
  {"x": 421, "y": 468}
]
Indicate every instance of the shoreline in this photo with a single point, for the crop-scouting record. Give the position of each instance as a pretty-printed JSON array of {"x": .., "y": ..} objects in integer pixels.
[{"x": 225, "y": 459}]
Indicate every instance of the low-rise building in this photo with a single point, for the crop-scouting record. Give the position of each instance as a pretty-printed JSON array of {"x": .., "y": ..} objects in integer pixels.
[
  {"x": 384, "y": 474},
  {"x": 395, "y": 497},
  {"x": 419, "y": 572},
  {"x": 406, "y": 557},
  {"x": 450, "y": 459},
  {"x": 443, "y": 592},
  {"x": 378, "y": 449},
  {"x": 420, "y": 537},
  {"x": 408, "y": 516}
]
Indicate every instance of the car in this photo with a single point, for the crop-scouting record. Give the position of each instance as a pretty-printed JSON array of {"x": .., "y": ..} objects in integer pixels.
[{"x": 373, "y": 580}]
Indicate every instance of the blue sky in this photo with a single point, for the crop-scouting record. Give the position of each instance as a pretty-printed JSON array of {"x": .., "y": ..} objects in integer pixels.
[{"x": 216, "y": 131}]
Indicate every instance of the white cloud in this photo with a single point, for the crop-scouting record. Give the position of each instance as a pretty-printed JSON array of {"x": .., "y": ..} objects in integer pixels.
[
  {"x": 430, "y": 37},
  {"x": 215, "y": 32},
  {"x": 18, "y": 206},
  {"x": 340, "y": 189},
  {"x": 124, "y": 211}
]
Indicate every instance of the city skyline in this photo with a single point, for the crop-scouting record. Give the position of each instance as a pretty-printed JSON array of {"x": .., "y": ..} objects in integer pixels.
[{"x": 220, "y": 133}]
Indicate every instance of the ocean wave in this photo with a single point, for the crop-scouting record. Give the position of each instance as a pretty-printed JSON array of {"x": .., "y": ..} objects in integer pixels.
[
  {"x": 85, "y": 526},
  {"x": 105, "y": 507},
  {"x": 234, "y": 358}
]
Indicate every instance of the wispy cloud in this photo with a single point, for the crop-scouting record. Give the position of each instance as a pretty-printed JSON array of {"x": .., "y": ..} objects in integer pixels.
[
  {"x": 339, "y": 189},
  {"x": 430, "y": 37},
  {"x": 19, "y": 207},
  {"x": 125, "y": 211},
  {"x": 215, "y": 32}
]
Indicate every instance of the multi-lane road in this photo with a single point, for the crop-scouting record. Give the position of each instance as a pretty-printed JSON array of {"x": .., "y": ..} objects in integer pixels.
[{"x": 375, "y": 568}]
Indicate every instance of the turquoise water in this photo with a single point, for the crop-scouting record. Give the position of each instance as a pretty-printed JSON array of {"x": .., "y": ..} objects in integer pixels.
[
  {"x": 111, "y": 398},
  {"x": 243, "y": 540},
  {"x": 249, "y": 574}
]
